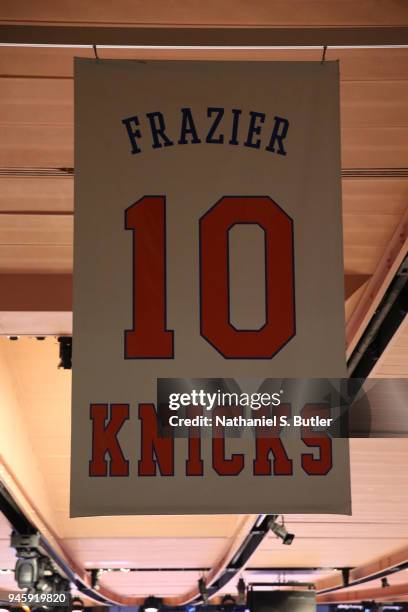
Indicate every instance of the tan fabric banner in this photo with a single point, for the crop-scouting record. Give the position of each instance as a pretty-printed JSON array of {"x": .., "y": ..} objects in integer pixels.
[{"x": 208, "y": 244}]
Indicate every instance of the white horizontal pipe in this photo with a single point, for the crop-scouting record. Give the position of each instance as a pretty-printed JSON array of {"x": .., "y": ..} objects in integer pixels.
[{"x": 203, "y": 47}]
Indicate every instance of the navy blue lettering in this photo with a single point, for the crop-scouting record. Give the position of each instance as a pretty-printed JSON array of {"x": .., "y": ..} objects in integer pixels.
[
  {"x": 158, "y": 127},
  {"x": 188, "y": 128},
  {"x": 236, "y": 113},
  {"x": 254, "y": 129},
  {"x": 219, "y": 113},
  {"x": 131, "y": 124},
  {"x": 280, "y": 129}
]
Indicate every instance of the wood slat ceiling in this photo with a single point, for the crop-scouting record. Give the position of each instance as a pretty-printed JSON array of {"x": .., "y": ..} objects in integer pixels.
[{"x": 193, "y": 12}]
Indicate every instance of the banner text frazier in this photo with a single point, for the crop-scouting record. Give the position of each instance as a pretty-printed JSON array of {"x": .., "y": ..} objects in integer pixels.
[{"x": 223, "y": 126}]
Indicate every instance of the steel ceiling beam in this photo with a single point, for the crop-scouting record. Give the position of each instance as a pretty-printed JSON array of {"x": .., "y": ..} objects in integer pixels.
[{"x": 204, "y": 36}]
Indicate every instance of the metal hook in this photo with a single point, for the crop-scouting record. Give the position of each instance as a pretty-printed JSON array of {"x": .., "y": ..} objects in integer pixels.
[
  {"x": 96, "y": 53},
  {"x": 324, "y": 54}
]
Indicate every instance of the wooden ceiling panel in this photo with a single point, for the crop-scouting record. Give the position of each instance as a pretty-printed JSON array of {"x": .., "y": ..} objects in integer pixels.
[
  {"x": 39, "y": 62},
  {"x": 22, "y": 258},
  {"x": 355, "y": 64},
  {"x": 366, "y": 230},
  {"x": 379, "y": 147},
  {"x": 333, "y": 552},
  {"x": 379, "y": 197},
  {"x": 162, "y": 584},
  {"x": 371, "y": 64},
  {"x": 193, "y": 12},
  {"x": 374, "y": 104},
  {"x": 37, "y": 101},
  {"x": 146, "y": 552},
  {"x": 51, "y": 101},
  {"x": 362, "y": 259},
  {"x": 187, "y": 526},
  {"x": 361, "y": 229},
  {"x": 379, "y": 479},
  {"x": 36, "y": 194},
  {"x": 36, "y": 145},
  {"x": 36, "y": 230}
]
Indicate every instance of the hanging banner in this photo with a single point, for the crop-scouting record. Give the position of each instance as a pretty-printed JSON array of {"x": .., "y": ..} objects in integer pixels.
[{"x": 208, "y": 249}]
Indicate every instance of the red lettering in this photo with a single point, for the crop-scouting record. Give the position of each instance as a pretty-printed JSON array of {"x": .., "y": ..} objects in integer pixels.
[
  {"x": 155, "y": 450},
  {"x": 216, "y": 327},
  {"x": 105, "y": 441},
  {"x": 321, "y": 465},
  {"x": 148, "y": 338}
]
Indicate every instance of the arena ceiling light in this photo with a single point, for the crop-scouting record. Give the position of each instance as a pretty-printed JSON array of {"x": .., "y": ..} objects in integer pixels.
[
  {"x": 152, "y": 604},
  {"x": 77, "y": 603},
  {"x": 34, "y": 572},
  {"x": 280, "y": 531},
  {"x": 228, "y": 603},
  {"x": 241, "y": 588}
]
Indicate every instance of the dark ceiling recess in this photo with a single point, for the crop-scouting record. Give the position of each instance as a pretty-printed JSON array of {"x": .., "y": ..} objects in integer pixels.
[
  {"x": 203, "y": 35},
  {"x": 387, "y": 318},
  {"x": 13, "y": 514},
  {"x": 65, "y": 352},
  {"x": 49, "y": 172}
]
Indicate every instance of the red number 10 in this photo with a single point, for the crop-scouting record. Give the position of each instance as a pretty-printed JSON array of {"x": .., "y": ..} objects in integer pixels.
[{"x": 149, "y": 338}]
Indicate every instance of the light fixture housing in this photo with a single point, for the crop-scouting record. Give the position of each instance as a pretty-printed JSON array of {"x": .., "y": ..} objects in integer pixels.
[
  {"x": 281, "y": 532},
  {"x": 228, "y": 603},
  {"x": 77, "y": 603},
  {"x": 65, "y": 352},
  {"x": 241, "y": 588},
  {"x": 151, "y": 604}
]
